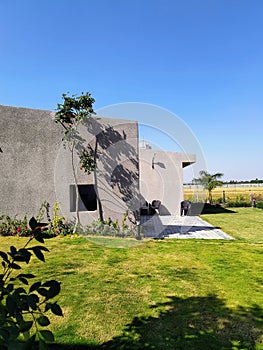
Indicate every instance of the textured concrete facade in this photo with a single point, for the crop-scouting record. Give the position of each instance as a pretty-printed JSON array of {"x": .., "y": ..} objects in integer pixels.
[
  {"x": 29, "y": 141},
  {"x": 35, "y": 167},
  {"x": 161, "y": 178}
]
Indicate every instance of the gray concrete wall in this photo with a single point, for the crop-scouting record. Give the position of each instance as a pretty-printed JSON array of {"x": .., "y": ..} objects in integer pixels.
[
  {"x": 30, "y": 141},
  {"x": 161, "y": 178},
  {"x": 35, "y": 167}
]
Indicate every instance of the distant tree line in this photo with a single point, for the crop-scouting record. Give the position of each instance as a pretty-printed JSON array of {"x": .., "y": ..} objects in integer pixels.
[{"x": 256, "y": 181}]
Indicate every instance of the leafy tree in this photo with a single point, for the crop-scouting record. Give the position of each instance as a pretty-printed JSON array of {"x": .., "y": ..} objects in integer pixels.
[
  {"x": 74, "y": 111},
  {"x": 24, "y": 304},
  {"x": 209, "y": 182}
]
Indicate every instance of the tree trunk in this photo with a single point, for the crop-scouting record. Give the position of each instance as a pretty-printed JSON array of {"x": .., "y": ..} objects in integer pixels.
[
  {"x": 76, "y": 189},
  {"x": 210, "y": 197},
  {"x": 96, "y": 183}
]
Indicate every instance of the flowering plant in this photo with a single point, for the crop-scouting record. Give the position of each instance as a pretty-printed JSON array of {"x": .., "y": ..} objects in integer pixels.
[{"x": 13, "y": 226}]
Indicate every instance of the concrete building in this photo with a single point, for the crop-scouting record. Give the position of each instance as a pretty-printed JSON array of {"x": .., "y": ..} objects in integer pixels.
[
  {"x": 161, "y": 178},
  {"x": 36, "y": 167}
]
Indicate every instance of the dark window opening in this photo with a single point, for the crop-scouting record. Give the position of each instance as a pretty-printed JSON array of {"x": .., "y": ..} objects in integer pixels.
[{"x": 87, "y": 198}]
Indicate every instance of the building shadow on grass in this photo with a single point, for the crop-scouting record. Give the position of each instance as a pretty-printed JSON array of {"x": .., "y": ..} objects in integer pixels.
[
  {"x": 206, "y": 208},
  {"x": 196, "y": 323}
]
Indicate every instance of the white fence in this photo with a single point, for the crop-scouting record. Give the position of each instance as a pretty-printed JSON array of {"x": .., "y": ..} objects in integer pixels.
[{"x": 191, "y": 186}]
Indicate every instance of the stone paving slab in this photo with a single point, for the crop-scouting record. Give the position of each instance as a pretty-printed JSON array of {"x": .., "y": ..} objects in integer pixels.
[{"x": 180, "y": 227}]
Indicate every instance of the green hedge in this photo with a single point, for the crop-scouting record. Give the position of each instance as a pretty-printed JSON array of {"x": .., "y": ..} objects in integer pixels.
[
  {"x": 259, "y": 205},
  {"x": 236, "y": 204}
]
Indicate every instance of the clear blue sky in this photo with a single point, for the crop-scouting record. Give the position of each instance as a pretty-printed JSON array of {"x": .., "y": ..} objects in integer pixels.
[{"x": 199, "y": 59}]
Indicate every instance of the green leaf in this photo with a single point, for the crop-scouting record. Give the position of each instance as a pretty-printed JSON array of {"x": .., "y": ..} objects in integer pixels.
[
  {"x": 8, "y": 289},
  {"x": 54, "y": 288},
  {"x": 4, "y": 256},
  {"x": 19, "y": 290},
  {"x": 47, "y": 336},
  {"x": 33, "y": 223},
  {"x": 25, "y": 326},
  {"x": 43, "y": 321},
  {"x": 43, "y": 291},
  {"x": 34, "y": 287},
  {"x": 39, "y": 247},
  {"x": 22, "y": 255},
  {"x": 47, "y": 306},
  {"x": 11, "y": 304},
  {"x": 15, "y": 266},
  {"x": 26, "y": 275},
  {"x": 13, "y": 250},
  {"x": 32, "y": 300},
  {"x": 23, "y": 277},
  {"x": 39, "y": 238},
  {"x": 56, "y": 309},
  {"x": 38, "y": 253},
  {"x": 23, "y": 280},
  {"x": 19, "y": 318}
]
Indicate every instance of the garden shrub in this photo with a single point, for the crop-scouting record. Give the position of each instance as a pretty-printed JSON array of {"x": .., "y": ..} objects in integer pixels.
[
  {"x": 232, "y": 204},
  {"x": 13, "y": 226},
  {"x": 259, "y": 204},
  {"x": 110, "y": 228},
  {"x": 24, "y": 305},
  {"x": 239, "y": 201},
  {"x": 57, "y": 225}
]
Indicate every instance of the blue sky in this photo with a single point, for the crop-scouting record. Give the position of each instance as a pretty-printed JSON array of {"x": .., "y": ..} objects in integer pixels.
[{"x": 199, "y": 59}]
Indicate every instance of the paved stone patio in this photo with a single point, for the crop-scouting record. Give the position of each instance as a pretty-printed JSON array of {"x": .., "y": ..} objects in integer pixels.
[{"x": 180, "y": 227}]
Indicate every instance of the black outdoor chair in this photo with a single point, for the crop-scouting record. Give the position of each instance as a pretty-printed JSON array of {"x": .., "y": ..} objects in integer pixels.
[{"x": 155, "y": 206}]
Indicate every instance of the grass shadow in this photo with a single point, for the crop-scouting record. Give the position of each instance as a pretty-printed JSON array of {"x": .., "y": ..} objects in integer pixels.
[{"x": 195, "y": 323}]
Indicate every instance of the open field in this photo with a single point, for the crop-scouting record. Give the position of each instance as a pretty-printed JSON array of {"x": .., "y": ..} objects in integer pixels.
[
  {"x": 230, "y": 193},
  {"x": 166, "y": 294}
]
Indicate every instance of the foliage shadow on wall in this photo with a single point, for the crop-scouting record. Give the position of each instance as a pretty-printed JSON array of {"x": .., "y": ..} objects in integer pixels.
[{"x": 117, "y": 162}]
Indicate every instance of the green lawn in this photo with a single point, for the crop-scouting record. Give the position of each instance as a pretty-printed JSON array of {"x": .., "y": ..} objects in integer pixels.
[
  {"x": 167, "y": 294},
  {"x": 242, "y": 223}
]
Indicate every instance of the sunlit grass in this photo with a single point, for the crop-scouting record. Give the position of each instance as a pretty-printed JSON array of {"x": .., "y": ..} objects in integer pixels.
[
  {"x": 241, "y": 223},
  {"x": 167, "y": 294}
]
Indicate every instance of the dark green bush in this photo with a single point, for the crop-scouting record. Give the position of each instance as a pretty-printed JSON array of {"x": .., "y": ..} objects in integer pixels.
[
  {"x": 239, "y": 201},
  {"x": 232, "y": 204},
  {"x": 259, "y": 204}
]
